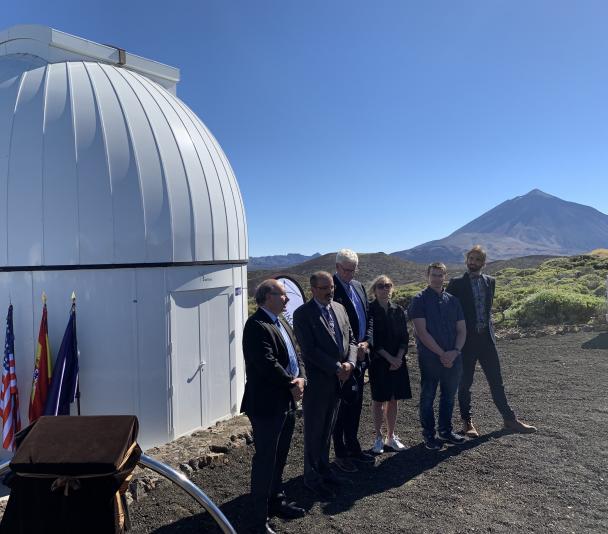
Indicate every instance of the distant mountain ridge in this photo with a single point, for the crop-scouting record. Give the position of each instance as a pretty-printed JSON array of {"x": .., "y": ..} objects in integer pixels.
[
  {"x": 371, "y": 265},
  {"x": 533, "y": 224},
  {"x": 278, "y": 261}
]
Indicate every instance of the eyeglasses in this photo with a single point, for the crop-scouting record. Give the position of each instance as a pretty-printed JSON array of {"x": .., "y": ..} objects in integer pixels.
[
  {"x": 388, "y": 285},
  {"x": 324, "y": 288},
  {"x": 353, "y": 271}
]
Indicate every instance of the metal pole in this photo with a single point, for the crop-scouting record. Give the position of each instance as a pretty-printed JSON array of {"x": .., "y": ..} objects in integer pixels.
[
  {"x": 183, "y": 482},
  {"x": 191, "y": 489}
]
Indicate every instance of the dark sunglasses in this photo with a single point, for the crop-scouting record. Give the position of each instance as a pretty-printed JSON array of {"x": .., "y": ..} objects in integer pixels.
[{"x": 388, "y": 285}]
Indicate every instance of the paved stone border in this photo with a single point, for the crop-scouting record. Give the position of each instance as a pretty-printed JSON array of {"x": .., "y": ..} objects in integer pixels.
[{"x": 199, "y": 450}]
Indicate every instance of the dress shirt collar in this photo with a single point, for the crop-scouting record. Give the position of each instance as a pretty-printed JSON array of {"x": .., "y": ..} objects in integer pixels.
[
  {"x": 272, "y": 316},
  {"x": 345, "y": 285},
  {"x": 322, "y": 306}
]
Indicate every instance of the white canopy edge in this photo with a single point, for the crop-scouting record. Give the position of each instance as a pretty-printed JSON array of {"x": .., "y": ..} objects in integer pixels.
[{"x": 55, "y": 46}]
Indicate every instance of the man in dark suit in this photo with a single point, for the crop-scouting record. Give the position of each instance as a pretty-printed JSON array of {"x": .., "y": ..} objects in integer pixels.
[
  {"x": 330, "y": 354},
  {"x": 351, "y": 294},
  {"x": 275, "y": 381},
  {"x": 476, "y": 294}
]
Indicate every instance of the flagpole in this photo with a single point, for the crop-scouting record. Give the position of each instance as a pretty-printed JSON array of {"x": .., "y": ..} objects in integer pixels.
[{"x": 76, "y": 352}]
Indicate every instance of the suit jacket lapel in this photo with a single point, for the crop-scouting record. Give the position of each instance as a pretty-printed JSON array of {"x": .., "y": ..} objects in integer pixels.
[
  {"x": 360, "y": 293},
  {"x": 341, "y": 327},
  {"x": 274, "y": 329},
  {"x": 486, "y": 281},
  {"x": 469, "y": 285},
  {"x": 318, "y": 316}
]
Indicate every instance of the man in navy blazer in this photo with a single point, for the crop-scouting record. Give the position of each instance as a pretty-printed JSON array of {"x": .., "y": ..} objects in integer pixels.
[
  {"x": 275, "y": 381},
  {"x": 330, "y": 354},
  {"x": 475, "y": 291},
  {"x": 351, "y": 294}
]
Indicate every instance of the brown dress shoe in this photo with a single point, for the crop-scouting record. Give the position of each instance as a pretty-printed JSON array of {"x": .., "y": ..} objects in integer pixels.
[
  {"x": 515, "y": 425},
  {"x": 469, "y": 430}
]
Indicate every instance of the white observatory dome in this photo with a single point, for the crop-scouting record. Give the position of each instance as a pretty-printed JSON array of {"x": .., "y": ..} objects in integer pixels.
[
  {"x": 113, "y": 190},
  {"x": 101, "y": 164}
]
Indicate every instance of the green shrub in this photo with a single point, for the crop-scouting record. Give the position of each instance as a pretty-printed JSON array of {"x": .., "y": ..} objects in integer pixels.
[
  {"x": 556, "y": 306},
  {"x": 600, "y": 291},
  {"x": 251, "y": 306},
  {"x": 591, "y": 281},
  {"x": 403, "y": 295}
]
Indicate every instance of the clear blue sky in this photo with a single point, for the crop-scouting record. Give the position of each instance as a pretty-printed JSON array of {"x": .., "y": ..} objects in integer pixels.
[{"x": 376, "y": 125}]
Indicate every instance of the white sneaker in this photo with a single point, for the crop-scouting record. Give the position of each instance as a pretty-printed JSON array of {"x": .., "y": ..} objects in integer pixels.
[
  {"x": 378, "y": 445},
  {"x": 394, "y": 443}
]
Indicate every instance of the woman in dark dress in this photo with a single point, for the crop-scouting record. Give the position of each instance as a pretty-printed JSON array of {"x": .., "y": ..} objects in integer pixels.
[{"x": 388, "y": 375}]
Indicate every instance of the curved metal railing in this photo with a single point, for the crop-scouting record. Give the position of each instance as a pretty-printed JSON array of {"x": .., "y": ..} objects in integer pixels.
[{"x": 180, "y": 480}]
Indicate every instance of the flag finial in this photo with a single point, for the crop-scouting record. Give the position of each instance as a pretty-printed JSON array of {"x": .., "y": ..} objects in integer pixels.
[
  {"x": 73, "y": 297},
  {"x": 43, "y": 298}
]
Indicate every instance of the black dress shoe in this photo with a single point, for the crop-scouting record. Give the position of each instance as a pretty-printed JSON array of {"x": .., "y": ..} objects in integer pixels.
[
  {"x": 286, "y": 510},
  {"x": 363, "y": 457},
  {"x": 321, "y": 490}
]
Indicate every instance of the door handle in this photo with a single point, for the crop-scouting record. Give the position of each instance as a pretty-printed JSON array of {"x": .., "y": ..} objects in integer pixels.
[{"x": 198, "y": 369}]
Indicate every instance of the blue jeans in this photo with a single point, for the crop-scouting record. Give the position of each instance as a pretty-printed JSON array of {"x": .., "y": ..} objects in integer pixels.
[{"x": 433, "y": 373}]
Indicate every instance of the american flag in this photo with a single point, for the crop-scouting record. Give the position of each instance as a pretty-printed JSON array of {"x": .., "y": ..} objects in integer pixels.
[{"x": 9, "y": 396}]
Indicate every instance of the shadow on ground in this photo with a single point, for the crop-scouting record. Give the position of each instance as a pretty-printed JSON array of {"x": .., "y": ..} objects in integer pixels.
[
  {"x": 393, "y": 471},
  {"x": 598, "y": 342}
]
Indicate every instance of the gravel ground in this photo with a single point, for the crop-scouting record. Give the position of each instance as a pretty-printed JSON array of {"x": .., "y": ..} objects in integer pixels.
[{"x": 553, "y": 481}]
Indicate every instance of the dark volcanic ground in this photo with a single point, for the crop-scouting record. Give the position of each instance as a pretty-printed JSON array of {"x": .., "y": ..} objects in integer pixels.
[{"x": 553, "y": 481}]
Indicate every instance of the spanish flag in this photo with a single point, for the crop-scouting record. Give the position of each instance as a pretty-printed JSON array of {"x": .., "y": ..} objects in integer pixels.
[{"x": 42, "y": 370}]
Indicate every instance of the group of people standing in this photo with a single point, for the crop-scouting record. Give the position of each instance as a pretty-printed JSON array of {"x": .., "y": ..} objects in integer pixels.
[{"x": 337, "y": 336}]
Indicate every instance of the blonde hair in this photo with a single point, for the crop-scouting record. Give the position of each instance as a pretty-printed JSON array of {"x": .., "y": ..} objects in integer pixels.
[{"x": 383, "y": 278}]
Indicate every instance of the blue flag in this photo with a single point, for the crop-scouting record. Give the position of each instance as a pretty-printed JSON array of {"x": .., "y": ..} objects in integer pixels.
[{"x": 64, "y": 384}]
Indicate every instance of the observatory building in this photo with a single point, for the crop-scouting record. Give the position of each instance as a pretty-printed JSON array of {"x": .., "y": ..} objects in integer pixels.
[{"x": 111, "y": 187}]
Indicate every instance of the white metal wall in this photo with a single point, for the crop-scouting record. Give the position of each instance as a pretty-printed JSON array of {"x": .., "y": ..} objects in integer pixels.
[{"x": 124, "y": 334}]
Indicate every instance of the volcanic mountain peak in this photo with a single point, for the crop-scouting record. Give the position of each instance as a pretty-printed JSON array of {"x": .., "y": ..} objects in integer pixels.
[{"x": 534, "y": 223}]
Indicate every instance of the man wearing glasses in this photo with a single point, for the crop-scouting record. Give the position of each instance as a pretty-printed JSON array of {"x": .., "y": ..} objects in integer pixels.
[
  {"x": 275, "y": 381},
  {"x": 330, "y": 354},
  {"x": 351, "y": 294}
]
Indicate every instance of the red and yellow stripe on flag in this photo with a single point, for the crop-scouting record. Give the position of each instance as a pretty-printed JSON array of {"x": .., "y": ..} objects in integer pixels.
[
  {"x": 42, "y": 370},
  {"x": 9, "y": 394}
]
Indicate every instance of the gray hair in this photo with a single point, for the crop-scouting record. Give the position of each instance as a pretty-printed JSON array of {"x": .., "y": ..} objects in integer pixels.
[
  {"x": 262, "y": 291},
  {"x": 346, "y": 255}
]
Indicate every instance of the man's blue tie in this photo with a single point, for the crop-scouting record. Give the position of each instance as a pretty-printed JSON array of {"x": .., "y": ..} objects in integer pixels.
[
  {"x": 292, "y": 368},
  {"x": 329, "y": 317}
]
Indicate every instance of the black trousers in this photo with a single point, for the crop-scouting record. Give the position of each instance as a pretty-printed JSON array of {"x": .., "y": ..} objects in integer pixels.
[
  {"x": 272, "y": 438},
  {"x": 481, "y": 347},
  {"x": 320, "y": 407},
  {"x": 346, "y": 428}
]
